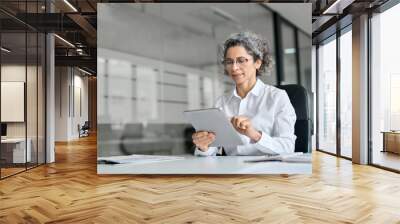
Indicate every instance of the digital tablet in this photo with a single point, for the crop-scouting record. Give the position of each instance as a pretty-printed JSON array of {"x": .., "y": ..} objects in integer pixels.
[{"x": 214, "y": 120}]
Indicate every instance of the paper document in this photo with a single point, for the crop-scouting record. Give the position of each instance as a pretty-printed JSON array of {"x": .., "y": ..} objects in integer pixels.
[
  {"x": 290, "y": 157},
  {"x": 137, "y": 159}
]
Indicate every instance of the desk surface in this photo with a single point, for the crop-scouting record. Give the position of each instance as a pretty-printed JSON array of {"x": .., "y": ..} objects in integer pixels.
[
  {"x": 13, "y": 140},
  {"x": 391, "y": 132},
  {"x": 208, "y": 165}
]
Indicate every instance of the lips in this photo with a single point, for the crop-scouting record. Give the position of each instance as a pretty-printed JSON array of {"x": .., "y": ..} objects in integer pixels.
[{"x": 237, "y": 75}]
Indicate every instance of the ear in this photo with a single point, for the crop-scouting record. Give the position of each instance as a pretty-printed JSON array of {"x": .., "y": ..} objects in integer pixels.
[{"x": 258, "y": 63}]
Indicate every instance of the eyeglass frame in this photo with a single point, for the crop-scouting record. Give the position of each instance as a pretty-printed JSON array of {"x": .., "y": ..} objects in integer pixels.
[{"x": 235, "y": 61}]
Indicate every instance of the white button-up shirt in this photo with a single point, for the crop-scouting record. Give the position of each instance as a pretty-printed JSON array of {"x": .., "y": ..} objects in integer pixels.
[{"x": 270, "y": 112}]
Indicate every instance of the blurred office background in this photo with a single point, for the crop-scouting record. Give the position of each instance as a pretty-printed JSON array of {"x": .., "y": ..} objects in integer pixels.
[
  {"x": 157, "y": 60},
  {"x": 51, "y": 47}
]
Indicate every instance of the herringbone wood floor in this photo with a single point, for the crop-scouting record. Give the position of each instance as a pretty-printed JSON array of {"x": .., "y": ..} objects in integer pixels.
[{"x": 70, "y": 191}]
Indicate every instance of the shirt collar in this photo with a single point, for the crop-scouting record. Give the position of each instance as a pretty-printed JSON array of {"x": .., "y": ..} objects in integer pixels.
[{"x": 256, "y": 90}]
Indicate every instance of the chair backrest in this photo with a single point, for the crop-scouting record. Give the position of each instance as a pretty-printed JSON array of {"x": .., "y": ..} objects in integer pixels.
[
  {"x": 299, "y": 98},
  {"x": 86, "y": 125}
]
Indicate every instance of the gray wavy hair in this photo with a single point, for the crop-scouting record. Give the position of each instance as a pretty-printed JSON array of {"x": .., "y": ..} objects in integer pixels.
[{"x": 255, "y": 46}]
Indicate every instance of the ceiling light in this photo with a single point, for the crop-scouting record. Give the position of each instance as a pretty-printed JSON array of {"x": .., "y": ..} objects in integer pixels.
[
  {"x": 290, "y": 51},
  {"x": 329, "y": 9},
  {"x": 338, "y": 6},
  {"x": 5, "y": 50},
  {"x": 86, "y": 72},
  {"x": 70, "y": 5},
  {"x": 64, "y": 40}
]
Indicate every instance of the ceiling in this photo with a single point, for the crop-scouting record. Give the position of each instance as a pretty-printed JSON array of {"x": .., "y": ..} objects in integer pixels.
[
  {"x": 301, "y": 20},
  {"x": 194, "y": 23},
  {"x": 182, "y": 24}
]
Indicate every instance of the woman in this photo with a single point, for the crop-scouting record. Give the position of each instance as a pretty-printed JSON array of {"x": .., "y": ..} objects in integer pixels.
[{"x": 261, "y": 114}]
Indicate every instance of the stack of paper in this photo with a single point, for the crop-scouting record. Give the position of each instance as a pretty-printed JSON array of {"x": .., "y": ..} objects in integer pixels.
[
  {"x": 137, "y": 159},
  {"x": 290, "y": 157}
]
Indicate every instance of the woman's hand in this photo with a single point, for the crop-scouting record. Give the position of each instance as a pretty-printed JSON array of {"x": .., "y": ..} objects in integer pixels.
[
  {"x": 202, "y": 139},
  {"x": 243, "y": 125}
]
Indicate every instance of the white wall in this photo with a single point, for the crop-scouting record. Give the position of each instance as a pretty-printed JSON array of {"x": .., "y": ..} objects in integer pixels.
[
  {"x": 17, "y": 73},
  {"x": 70, "y": 83}
]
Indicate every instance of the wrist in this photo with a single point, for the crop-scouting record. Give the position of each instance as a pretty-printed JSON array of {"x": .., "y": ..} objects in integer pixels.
[{"x": 255, "y": 136}]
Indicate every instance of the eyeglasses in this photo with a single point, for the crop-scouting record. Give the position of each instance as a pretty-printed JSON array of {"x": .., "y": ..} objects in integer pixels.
[{"x": 240, "y": 61}]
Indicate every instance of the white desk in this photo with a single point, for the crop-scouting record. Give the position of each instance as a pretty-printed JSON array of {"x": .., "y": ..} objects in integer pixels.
[
  {"x": 18, "y": 150},
  {"x": 208, "y": 165}
]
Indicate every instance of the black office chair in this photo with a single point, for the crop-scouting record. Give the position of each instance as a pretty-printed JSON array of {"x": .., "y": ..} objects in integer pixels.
[
  {"x": 84, "y": 129},
  {"x": 299, "y": 98},
  {"x": 187, "y": 133}
]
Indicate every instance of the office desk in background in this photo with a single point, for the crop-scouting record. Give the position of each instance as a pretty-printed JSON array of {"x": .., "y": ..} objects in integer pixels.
[
  {"x": 391, "y": 141},
  {"x": 13, "y": 150},
  {"x": 208, "y": 165}
]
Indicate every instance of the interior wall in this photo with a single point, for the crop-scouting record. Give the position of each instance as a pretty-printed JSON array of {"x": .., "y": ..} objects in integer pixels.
[
  {"x": 80, "y": 104},
  {"x": 61, "y": 103},
  {"x": 71, "y": 102},
  {"x": 17, "y": 73}
]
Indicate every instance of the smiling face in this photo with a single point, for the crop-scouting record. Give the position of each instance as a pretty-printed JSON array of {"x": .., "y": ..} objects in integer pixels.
[{"x": 240, "y": 65}]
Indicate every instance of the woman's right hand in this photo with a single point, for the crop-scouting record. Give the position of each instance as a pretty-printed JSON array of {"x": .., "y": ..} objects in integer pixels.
[{"x": 202, "y": 139}]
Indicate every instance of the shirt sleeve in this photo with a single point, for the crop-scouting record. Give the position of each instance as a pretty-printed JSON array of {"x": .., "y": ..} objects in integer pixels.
[
  {"x": 212, "y": 151},
  {"x": 283, "y": 137}
]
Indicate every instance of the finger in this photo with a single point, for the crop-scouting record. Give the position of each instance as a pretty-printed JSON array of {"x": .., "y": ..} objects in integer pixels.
[
  {"x": 195, "y": 135},
  {"x": 209, "y": 141},
  {"x": 247, "y": 124},
  {"x": 198, "y": 143},
  {"x": 203, "y": 138},
  {"x": 200, "y": 134},
  {"x": 235, "y": 119},
  {"x": 212, "y": 136},
  {"x": 198, "y": 139},
  {"x": 239, "y": 122},
  {"x": 244, "y": 124}
]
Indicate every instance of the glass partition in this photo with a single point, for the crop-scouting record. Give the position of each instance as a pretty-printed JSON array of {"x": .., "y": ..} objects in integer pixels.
[
  {"x": 14, "y": 153},
  {"x": 289, "y": 55},
  {"x": 346, "y": 93},
  {"x": 22, "y": 91},
  {"x": 305, "y": 60},
  {"x": 385, "y": 89},
  {"x": 327, "y": 96},
  {"x": 172, "y": 66}
]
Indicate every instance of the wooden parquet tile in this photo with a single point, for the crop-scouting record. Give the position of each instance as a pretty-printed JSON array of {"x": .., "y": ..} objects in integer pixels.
[{"x": 70, "y": 191}]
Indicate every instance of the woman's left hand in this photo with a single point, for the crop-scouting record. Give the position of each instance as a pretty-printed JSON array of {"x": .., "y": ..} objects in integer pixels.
[{"x": 243, "y": 125}]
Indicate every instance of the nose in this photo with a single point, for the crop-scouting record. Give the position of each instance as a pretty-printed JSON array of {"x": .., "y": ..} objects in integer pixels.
[{"x": 235, "y": 66}]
